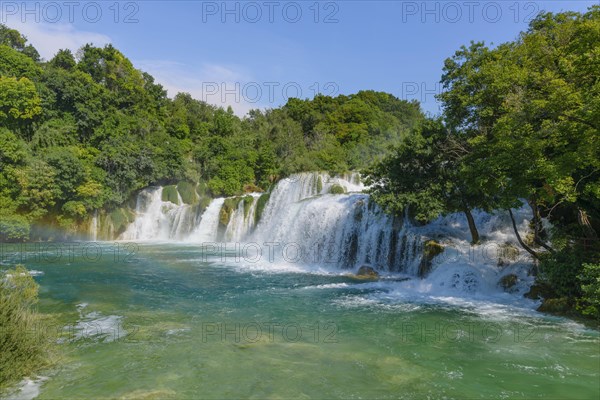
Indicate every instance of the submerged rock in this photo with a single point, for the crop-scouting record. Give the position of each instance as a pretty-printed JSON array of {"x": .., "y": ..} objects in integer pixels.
[
  {"x": 365, "y": 270},
  {"x": 538, "y": 291},
  {"x": 507, "y": 254},
  {"x": 365, "y": 273},
  {"x": 430, "y": 250},
  {"x": 559, "y": 306}
]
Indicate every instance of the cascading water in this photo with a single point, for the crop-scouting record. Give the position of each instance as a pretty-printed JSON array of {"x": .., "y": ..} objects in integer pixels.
[
  {"x": 157, "y": 219},
  {"x": 313, "y": 223},
  {"x": 243, "y": 220},
  {"x": 207, "y": 229},
  {"x": 93, "y": 231}
]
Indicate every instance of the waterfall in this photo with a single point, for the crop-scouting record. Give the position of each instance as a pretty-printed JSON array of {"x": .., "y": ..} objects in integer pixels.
[
  {"x": 207, "y": 229},
  {"x": 327, "y": 221},
  {"x": 93, "y": 230},
  {"x": 340, "y": 230},
  {"x": 242, "y": 221},
  {"x": 157, "y": 219}
]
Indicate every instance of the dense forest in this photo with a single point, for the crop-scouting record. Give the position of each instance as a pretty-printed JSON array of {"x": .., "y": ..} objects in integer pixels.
[
  {"x": 520, "y": 124},
  {"x": 85, "y": 132}
]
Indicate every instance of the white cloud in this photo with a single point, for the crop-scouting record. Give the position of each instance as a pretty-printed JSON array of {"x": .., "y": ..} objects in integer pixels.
[
  {"x": 219, "y": 85},
  {"x": 48, "y": 38}
]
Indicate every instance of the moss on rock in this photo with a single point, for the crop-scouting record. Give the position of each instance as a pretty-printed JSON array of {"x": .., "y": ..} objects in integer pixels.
[
  {"x": 365, "y": 273},
  {"x": 227, "y": 210},
  {"x": 260, "y": 206},
  {"x": 507, "y": 282},
  {"x": 430, "y": 250},
  {"x": 120, "y": 218},
  {"x": 559, "y": 306},
  {"x": 188, "y": 194},
  {"x": 169, "y": 193},
  {"x": 337, "y": 189},
  {"x": 202, "y": 189},
  {"x": 319, "y": 184},
  {"x": 507, "y": 253},
  {"x": 248, "y": 201}
]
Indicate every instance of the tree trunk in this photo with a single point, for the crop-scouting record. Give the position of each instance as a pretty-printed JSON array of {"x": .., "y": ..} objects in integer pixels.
[
  {"x": 472, "y": 227},
  {"x": 521, "y": 242},
  {"x": 537, "y": 226},
  {"x": 536, "y": 219}
]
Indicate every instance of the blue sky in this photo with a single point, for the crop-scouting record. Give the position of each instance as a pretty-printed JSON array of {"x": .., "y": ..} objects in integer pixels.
[{"x": 256, "y": 54}]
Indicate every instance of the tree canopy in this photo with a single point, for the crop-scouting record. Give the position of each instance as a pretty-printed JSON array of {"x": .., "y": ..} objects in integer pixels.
[{"x": 87, "y": 131}]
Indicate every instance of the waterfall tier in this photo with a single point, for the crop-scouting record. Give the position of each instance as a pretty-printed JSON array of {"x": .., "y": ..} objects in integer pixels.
[{"x": 318, "y": 219}]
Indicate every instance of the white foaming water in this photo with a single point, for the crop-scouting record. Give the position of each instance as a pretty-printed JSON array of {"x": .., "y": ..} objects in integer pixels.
[
  {"x": 93, "y": 232},
  {"x": 96, "y": 327},
  {"x": 157, "y": 219},
  {"x": 207, "y": 229},
  {"x": 28, "y": 389},
  {"x": 308, "y": 229},
  {"x": 242, "y": 221}
]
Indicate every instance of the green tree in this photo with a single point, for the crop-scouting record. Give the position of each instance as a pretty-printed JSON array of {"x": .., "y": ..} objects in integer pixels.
[
  {"x": 19, "y": 102},
  {"x": 421, "y": 176}
]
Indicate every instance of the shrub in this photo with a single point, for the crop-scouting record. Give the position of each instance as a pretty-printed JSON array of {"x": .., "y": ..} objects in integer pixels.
[
  {"x": 337, "y": 189},
  {"x": 589, "y": 303},
  {"x": 14, "y": 228},
  {"x": 24, "y": 335},
  {"x": 560, "y": 271}
]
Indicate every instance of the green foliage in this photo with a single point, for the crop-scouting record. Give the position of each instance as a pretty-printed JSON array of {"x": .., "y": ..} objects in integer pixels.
[
  {"x": 19, "y": 101},
  {"x": 523, "y": 112},
  {"x": 560, "y": 271},
  {"x": 421, "y": 174},
  {"x": 248, "y": 201},
  {"x": 319, "y": 184},
  {"x": 187, "y": 191},
  {"x": 13, "y": 39},
  {"x": 16, "y": 64},
  {"x": 260, "y": 206},
  {"x": 227, "y": 210},
  {"x": 590, "y": 286},
  {"x": 24, "y": 333},
  {"x": 12, "y": 150},
  {"x": 121, "y": 218},
  {"x": 337, "y": 189},
  {"x": 37, "y": 190},
  {"x": 55, "y": 133},
  {"x": 69, "y": 172},
  {"x": 170, "y": 193},
  {"x": 64, "y": 59},
  {"x": 13, "y": 227}
]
